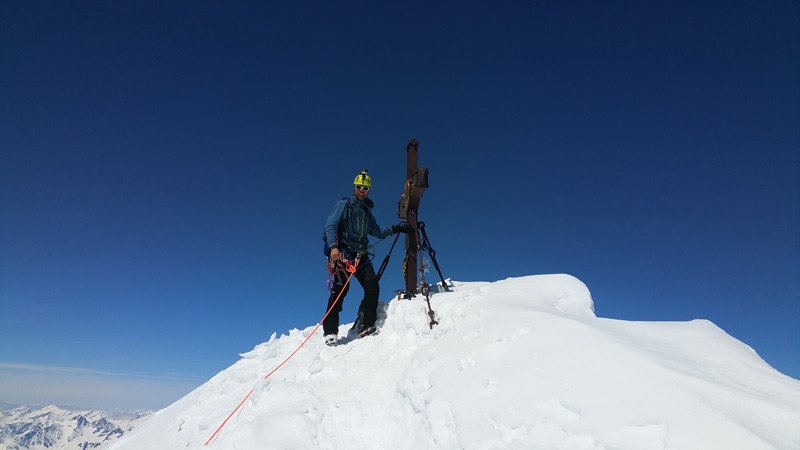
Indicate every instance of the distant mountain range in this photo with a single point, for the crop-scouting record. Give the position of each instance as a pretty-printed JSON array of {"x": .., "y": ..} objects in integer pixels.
[{"x": 54, "y": 428}]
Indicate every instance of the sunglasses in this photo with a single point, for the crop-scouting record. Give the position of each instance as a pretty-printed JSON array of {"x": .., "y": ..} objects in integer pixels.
[{"x": 362, "y": 188}]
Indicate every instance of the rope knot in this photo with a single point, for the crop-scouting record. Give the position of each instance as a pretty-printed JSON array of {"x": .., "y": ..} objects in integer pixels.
[{"x": 350, "y": 266}]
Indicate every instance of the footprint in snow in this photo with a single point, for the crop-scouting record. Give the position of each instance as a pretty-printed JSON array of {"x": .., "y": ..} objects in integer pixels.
[
  {"x": 491, "y": 387},
  {"x": 316, "y": 366},
  {"x": 466, "y": 362}
]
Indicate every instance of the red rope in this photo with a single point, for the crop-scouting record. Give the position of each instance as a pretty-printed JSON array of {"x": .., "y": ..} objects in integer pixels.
[{"x": 349, "y": 267}]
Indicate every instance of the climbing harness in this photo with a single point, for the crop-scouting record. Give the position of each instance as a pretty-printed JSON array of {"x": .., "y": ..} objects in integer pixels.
[{"x": 350, "y": 267}]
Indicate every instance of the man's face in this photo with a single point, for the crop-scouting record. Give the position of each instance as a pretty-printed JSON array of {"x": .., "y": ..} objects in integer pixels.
[{"x": 361, "y": 192}]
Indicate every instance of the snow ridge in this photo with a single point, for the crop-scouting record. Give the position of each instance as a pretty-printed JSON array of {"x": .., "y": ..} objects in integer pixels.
[{"x": 518, "y": 363}]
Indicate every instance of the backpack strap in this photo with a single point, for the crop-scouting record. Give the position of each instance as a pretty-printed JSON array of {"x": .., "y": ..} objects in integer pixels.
[{"x": 348, "y": 211}]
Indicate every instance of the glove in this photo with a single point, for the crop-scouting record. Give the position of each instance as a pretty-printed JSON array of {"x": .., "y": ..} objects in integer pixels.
[{"x": 402, "y": 227}]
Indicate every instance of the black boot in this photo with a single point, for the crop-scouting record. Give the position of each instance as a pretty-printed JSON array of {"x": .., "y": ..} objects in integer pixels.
[{"x": 367, "y": 331}]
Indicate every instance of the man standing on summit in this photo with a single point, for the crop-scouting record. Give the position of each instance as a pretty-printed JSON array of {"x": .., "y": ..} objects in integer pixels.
[{"x": 346, "y": 237}]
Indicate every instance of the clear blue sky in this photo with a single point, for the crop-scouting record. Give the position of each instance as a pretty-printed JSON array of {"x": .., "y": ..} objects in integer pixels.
[{"x": 167, "y": 167}]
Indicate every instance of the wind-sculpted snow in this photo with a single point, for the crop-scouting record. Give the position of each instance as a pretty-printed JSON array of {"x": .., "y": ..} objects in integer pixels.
[{"x": 518, "y": 363}]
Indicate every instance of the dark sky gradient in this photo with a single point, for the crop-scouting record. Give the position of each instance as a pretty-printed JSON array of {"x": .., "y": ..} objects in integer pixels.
[{"x": 167, "y": 166}]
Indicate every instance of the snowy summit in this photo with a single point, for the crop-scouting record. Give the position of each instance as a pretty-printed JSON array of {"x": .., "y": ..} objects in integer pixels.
[{"x": 518, "y": 363}]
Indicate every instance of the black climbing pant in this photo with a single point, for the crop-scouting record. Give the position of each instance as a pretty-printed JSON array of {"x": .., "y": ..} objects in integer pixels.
[{"x": 368, "y": 310}]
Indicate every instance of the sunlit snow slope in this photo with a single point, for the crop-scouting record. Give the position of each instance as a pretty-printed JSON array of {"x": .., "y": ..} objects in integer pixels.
[{"x": 518, "y": 363}]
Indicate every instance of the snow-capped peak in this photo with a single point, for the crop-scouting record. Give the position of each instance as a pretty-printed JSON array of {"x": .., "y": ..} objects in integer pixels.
[
  {"x": 52, "y": 427},
  {"x": 518, "y": 363}
]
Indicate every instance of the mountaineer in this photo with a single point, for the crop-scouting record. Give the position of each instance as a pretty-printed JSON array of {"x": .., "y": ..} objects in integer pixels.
[{"x": 346, "y": 242}]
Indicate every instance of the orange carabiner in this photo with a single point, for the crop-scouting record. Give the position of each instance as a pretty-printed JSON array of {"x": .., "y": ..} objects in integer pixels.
[{"x": 351, "y": 266}]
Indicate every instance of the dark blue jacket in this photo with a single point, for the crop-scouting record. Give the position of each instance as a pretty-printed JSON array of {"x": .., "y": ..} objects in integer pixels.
[{"x": 350, "y": 233}]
